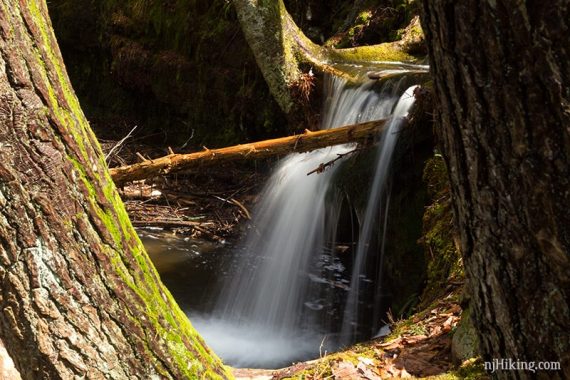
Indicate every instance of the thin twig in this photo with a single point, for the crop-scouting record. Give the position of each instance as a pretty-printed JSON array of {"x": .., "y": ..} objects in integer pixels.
[
  {"x": 242, "y": 207},
  {"x": 143, "y": 158},
  {"x": 117, "y": 145},
  {"x": 234, "y": 202},
  {"x": 323, "y": 166},
  {"x": 187, "y": 141},
  {"x": 321, "y": 347}
]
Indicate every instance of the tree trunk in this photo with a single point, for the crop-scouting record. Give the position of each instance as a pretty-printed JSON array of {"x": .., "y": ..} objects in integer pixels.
[
  {"x": 79, "y": 296},
  {"x": 502, "y": 80},
  {"x": 279, "y": 46},
  {"x": 7, "y": 369},
  {"x": 262, "y": 149}
]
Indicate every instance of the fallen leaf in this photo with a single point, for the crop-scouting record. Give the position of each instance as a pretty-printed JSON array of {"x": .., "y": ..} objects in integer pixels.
[
  {"x": 366, "y": 361},
  {"x": 392, "y": 344},
  {"x": 436, "y": 330},
  {"x": 447, "y": 323},
  {"x": 367, "y": 372},
  {"x": 413, "y": 339},
  {"x": 345, "y": 371}
]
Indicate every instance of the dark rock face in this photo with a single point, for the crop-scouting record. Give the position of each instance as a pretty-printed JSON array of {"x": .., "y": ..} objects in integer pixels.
[{"x": 177, "y": 69}]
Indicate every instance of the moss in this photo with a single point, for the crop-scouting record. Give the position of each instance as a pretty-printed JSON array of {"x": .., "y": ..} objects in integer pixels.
[
  {"x": 322, "y": 368},
  {"x": 168, "y": 23},
  {"x": 470, "y": 370},
  {"x": 370, "y": 22},
  {"x": 406, "y": 325},
  {"x": 364, "y": 17},
  {"x": 69, "y": 114},
  {"x": 361, "y": 22},
  {"x": 108, "y": 209},
  {"x": 413, "y": 38},
  {"x": 444, "y": 259},
  {"x": 158, "y": 302},
  {"x": 374, "y": 53}
]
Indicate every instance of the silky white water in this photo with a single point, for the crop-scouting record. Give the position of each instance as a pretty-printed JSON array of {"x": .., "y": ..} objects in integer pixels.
[
  {"x": 267, "y": 314},
  {"x": 374, "y": 211}
]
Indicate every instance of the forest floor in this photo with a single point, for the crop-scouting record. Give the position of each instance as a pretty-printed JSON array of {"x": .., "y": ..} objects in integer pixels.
[
  {"x": 418, "y": 347},
  {"x": 207, "y": 204}
]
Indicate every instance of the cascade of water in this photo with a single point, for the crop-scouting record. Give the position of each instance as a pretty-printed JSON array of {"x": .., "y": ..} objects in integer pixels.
[
  {"x": 378, "y": 193},
  {"x": 265, "y": 314}
]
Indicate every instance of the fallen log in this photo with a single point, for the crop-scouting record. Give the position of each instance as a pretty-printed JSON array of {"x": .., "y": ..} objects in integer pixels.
[{"x": 299, "y": 143}]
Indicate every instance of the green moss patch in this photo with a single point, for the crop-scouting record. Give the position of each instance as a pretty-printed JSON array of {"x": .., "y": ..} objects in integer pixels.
[{"x": 443, "y": 257}]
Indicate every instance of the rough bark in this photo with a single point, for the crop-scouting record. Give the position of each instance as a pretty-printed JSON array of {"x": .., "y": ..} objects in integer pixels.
[
  {"x": 79, "y": 297},
  {"x": 261, "y": 149},
  {"x": 280, "y": 46},
  {"x": 502, "y": 80},
  {"x": 7, "y": 369}
]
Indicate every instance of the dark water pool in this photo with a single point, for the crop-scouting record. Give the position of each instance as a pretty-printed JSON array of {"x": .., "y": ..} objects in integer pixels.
[
  {"x": 194, "y": 272},
  {"x": 190, "y": 269}
]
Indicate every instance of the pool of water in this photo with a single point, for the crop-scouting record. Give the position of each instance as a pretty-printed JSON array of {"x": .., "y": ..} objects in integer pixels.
[
  {"x": 189, "y": 268},
  {"x": 194, "y": 272}
]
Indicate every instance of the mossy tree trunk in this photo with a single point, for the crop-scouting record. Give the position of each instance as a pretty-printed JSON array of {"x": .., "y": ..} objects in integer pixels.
[
  {"x": 79, "y": 296},
  {"x": 502, "y": 77},
  {"x": 280, "y": 47}
]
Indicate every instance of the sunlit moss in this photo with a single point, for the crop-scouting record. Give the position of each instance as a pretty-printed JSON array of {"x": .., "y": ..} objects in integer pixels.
[
  {"x": 169, "y": 322},
  {"x": 374, "y": 53}
]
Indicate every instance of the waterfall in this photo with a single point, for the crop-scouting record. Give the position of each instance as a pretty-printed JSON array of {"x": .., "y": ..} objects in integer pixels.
[
  {"x": 374, "y": 212},
  {"x": 268, "y": 311}
]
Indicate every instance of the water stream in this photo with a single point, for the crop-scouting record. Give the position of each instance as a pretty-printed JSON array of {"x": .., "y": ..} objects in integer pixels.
[
  {"x": 376, "y": 215},
  {"x": 286, "y": 294}
]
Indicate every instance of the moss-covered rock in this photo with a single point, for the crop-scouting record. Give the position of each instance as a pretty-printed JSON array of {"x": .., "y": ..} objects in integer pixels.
[
  {"x": 381, "y": 52},
  {"x": 464, "y": 345},
  {"x": 368, "y": 22}
]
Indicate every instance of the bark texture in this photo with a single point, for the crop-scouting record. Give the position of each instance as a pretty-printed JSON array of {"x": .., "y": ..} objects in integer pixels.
[
  {"x": 280, "y": 46},
  {"x": 261, "y": 149},
  {"x": 79, "y": 297},
  {"x": 502, "y": 80}
]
